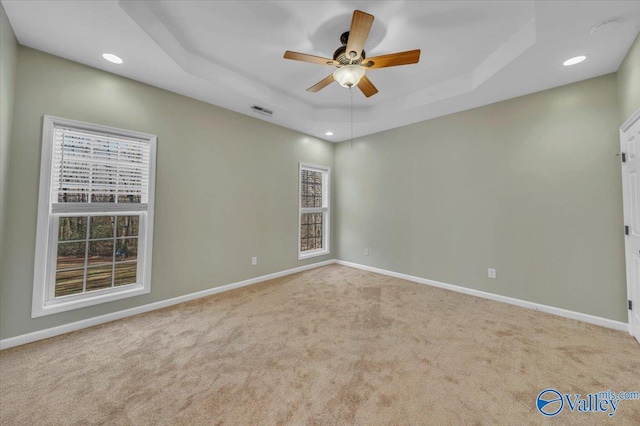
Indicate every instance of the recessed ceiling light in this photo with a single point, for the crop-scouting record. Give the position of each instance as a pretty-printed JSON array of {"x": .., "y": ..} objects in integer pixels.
[
  {"x": 574, "y": 60},
  {"x": 329, "y": 134},
  {"x": 112, "y": 58}
]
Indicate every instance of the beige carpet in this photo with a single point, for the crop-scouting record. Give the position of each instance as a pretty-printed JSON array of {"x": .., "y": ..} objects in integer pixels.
[{"x": 329, "y": 346}]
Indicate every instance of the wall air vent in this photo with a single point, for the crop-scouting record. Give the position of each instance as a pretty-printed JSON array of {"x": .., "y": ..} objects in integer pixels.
[{"x": 262, "y": 111}]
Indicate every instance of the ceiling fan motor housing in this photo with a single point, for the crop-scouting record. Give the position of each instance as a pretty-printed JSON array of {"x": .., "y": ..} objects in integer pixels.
[{"x": 341, "y": 54}]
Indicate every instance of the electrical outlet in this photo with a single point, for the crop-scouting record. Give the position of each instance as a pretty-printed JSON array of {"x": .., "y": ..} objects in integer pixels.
[
  {"x": 366, "y": 252},
  {"x": 491, "y": 272},
  {"x": 254, "y": 260}
]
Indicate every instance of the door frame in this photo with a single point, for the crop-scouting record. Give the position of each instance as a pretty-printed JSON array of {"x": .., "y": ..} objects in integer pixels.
[{"x": 627, "y": 220}]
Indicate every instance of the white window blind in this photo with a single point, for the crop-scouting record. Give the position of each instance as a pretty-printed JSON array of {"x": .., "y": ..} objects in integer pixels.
[{"x": 92, "y": 168}]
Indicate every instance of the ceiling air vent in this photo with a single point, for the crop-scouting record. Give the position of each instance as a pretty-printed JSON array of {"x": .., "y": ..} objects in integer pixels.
[
  {"x": 262, "y": 111},
  {"x": 604, "y": 27}
]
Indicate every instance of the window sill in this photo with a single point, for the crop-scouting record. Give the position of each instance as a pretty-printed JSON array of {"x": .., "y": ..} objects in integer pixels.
[
  {"x": 315, "y": 253},
  {"x": 58, "y": 306}
]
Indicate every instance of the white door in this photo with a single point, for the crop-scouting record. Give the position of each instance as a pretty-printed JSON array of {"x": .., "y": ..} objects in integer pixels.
[{"x": 630, "y": 144}]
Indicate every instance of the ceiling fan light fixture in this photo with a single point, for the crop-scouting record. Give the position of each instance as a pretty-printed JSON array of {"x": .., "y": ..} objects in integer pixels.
[{"x": 348, "y": 75}]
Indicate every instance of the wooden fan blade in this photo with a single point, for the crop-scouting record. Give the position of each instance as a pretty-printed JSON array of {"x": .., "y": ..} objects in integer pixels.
[
  {"x": 360, "y": 26},
  {"x": 321, "y": 84},
  {"x": 392, "y": 60},
  {"x": 366, "y": 87},
  {"x": 309, "y": 58}
]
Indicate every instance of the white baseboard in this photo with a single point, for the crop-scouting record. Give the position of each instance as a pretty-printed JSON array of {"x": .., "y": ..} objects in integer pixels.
[
  {"x": 591, "y": 319},
  {"x": 89, "y": 322}
]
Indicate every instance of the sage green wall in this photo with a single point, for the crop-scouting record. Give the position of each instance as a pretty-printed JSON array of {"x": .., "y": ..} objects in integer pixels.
[
  {"x": 8, "y": 61},
  {"x": 629, "y": 81},
  {"x": 530, "y": 186},
  {"x": 226, "y": 186}
]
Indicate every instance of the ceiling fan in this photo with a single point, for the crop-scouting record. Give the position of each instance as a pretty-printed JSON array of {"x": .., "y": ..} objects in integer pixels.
[{"x": 351, "y": 61}]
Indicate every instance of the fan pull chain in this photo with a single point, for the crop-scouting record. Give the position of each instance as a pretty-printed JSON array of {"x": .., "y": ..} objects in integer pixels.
[{"x": 351, "y": 96}]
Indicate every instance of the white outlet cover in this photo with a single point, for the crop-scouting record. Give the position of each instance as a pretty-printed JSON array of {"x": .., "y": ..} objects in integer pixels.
[
  {"x": 254, "y": 260},
  {"x": 491, "y": 272}
]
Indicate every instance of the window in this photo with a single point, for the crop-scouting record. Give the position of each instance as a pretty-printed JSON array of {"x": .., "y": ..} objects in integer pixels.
[
  {"x": 313, "y": 211},
  {"x": 95, "y": 216}
]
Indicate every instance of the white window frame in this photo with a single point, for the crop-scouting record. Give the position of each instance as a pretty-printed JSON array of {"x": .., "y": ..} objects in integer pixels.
[
  {"x": 44, "y": 302},
  {"x": 326, "y": 197}
]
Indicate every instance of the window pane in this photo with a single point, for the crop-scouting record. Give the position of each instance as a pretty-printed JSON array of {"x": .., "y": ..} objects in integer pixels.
[
  {"x": 69, "y": 282},
  {"x": 72, "y": 197},
  {"x": 126, "y": 273},
  {"x": 127, "y": 249},
  {"x": 71, "y": 255},
  {"x": 99, "y": 277},
  {"x": 311, "y": 231},
  {"x": 104, "y": 177},
  {"x": 103, "y": 198},
  {"x": 131, "y": 198},
  {"x": 311, "y": 195},
  {"x": 72, "y": 228},
  {"x": 101, "y": 227},
  {"x": 127, "y": 226},
  {"x": 100, "y": 252}
]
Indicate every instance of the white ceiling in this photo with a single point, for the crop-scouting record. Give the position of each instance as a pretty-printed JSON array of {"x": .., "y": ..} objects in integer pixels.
[{"x": 229, "y": 53}]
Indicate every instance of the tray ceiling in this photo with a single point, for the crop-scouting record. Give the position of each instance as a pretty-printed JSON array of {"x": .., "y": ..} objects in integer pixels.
[{"x": 229, "y": 53}]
